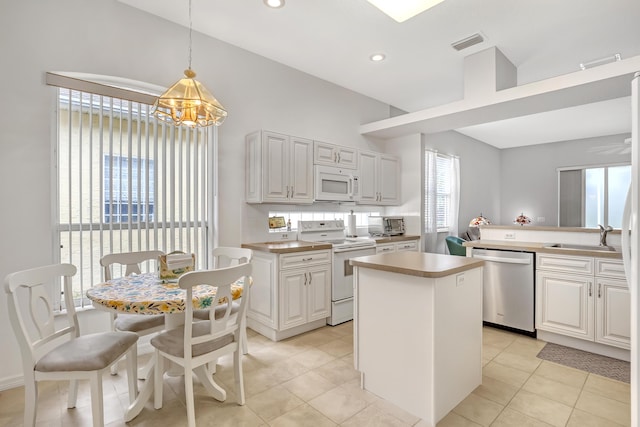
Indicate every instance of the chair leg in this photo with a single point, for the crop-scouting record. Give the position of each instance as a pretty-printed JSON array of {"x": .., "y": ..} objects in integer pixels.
[
  {"x": 112, "y": 320},
  {"x": 158, "y": 383},
  {"x": 188, "y": 391},
  {"x": 132, "y": 372},
  {"x": 243, "y": 337},
  {"x": 72, "y": 394},
  {"x": 237, "y": 367},
  {"x": 96, "y": 399},
  {"x": 30, "y": 400}
]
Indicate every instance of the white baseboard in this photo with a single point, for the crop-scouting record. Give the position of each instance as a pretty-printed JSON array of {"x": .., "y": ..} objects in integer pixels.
[{"x": 11, "y": 382}]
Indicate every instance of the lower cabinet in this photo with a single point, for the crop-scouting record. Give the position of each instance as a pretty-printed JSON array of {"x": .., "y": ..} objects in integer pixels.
[
  {"x": 575, "y": 300},
  {"x": 291, "y": 293},
  {"x": 404, "y": 245}
]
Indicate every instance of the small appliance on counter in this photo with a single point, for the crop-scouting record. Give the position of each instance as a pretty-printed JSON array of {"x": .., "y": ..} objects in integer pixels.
[
  {"x": 386, "y": 225},
  {"x": 351, "y": 225}
]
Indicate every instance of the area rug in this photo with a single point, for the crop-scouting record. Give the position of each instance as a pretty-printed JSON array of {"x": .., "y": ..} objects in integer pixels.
[{"x": 615, "y": 369}]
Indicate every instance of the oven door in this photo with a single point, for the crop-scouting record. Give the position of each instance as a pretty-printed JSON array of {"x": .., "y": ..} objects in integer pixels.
[{"x": 342, "y": 282}]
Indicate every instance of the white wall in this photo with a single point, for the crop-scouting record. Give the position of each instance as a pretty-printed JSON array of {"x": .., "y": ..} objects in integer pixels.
[
  {"x": 107, "y": 37},
  {"x": 530, "y": 177}
]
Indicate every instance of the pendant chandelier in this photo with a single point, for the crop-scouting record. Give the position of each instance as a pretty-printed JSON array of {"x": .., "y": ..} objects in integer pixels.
[{"x": 188, "y": 102}]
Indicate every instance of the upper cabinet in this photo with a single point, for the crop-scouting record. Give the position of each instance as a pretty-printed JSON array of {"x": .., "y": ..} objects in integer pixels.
[
  {"x": 334, "y": 155},
  {"x": 279, "y": 168},
  {"x": 379, "y": 179}
]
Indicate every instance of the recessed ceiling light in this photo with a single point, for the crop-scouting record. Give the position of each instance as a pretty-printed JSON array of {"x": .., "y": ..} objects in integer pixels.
[
  {"x": 377, "y": 57},
  {"x": 401, "y": 10},
  {"x": 274, "y": 3}
]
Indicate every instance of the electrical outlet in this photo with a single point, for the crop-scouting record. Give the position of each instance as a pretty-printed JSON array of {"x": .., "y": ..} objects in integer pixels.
[
  {"x": 285, "y": 236},
  {"x": 541, "y": 219},
  {"x": 510, "y": 235},
  {"x": 460, "y": 279}
]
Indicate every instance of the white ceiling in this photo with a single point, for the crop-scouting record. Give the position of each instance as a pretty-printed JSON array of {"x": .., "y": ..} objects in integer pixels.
[{"x": 333, "y": 39}]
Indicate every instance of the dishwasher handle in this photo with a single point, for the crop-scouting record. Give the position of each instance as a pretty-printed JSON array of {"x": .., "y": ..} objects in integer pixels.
[{"x": 504, "y": 260}]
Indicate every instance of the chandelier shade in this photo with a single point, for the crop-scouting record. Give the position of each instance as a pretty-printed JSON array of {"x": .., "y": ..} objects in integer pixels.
[{"x": 189, "y": 103}]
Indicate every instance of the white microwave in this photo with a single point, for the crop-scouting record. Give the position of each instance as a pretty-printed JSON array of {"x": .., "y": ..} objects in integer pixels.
[{"x": 336, "y": 184}]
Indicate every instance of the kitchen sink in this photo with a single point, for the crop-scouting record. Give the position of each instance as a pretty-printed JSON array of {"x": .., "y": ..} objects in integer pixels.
[{"x": 583, "y": 247}]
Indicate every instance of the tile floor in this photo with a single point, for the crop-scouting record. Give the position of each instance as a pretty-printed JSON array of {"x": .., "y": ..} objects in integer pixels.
[{"x": 309, "y": 380}]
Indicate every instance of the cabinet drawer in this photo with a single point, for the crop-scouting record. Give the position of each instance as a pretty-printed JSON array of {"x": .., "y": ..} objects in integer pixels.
[
  {"x": 383, "y": 249},
  {"x": 303, "y": 259},
  {"x": 610, "y": 268},
  {"x": 568, "y": 264},
  {"x": 407, "y": 246}
]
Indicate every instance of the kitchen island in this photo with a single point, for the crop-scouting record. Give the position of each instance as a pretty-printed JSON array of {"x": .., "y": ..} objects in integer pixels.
[{"x": 418, "y": 329}]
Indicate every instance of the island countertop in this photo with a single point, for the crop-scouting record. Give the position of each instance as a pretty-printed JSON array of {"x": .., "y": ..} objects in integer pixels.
[
  {"x": 287, "y": 246},
  {"x": 541, "y": 247},
  {"x": 418, "y": 263}
]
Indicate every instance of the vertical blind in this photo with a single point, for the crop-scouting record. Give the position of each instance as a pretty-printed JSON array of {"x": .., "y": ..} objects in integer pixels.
[{"x": 126, "y": 182}]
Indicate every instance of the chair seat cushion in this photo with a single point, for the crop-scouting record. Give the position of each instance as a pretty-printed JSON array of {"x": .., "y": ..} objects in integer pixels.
[
  {"x": 172, "y": 342},
  {"x": 219, "y": 310},
  {"x": 138, "y": 322},
  {"x": 87, "y": 352}
]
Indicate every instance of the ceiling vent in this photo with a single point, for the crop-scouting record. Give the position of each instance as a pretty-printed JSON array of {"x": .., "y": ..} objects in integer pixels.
[{"x": 468, "y": 42}]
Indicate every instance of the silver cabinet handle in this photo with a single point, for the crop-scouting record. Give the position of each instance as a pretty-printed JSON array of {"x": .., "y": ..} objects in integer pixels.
[
  {"x": 310, "y": 278},
  {"x": 599, "y": 290},
  {"x": 305, "y": 279},
  {"x": 335, "y": 157},
  {"x": 590, "y": 289},
  {"x": 339, "y": 159},
  {"x": 292, "y": 191},
  {"x": 307, "y": 259}
]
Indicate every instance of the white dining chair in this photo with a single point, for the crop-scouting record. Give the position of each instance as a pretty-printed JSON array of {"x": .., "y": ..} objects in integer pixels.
[
  {"x": 63, "y": 354},
  {"x": 139, "y": 324},
  {"x": 226, "y": 256},
  {"x": 196, "y": 344}
]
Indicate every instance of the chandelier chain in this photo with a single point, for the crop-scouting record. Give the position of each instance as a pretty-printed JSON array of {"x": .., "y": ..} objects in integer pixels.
[{"x": 190, "y": 31}]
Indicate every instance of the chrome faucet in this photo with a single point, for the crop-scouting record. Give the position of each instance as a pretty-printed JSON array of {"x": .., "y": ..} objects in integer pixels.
[{"x": 603, "y": 234}]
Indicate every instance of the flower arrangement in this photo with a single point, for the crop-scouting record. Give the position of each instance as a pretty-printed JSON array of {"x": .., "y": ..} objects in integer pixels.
[{"x": 522, "y": 219}]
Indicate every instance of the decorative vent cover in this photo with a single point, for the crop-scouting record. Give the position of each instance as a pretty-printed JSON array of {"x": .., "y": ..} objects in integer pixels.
[{"x": 468, "y": 42}]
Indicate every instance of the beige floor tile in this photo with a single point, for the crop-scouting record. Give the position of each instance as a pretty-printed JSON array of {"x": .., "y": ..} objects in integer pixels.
[
  {"x": 395, "y": 411},
  {"x": 337, "y": 347},
  {"x": 337, "y": 371},
  {"x": 541, "y": 408},
  {"x": 506, "y": 374},
  {"x": 302, "y": 416},
  {"x": 553, "y": 390},
  {"x": 489, "y": 351},
  {"x": 272, "y": 403},
  {"x": 254, "y": 382},
  {"x": 229, "y": 415},
  {"x": 313, "y": 358},
  {"x": 373, "y": 416},
  {"x": 525, "y": 346},
  {"x": 451, "y": 420},
  {"x": 496, "y": 390},
  {"x": 511, "y": 418},
  {"x": 513, "y": 360},
  {"x": 562, "y": 374},
  {"x": 478, "y": 409},
  {"x": 612, "y": 389},
  {"x": 318, "y": 337},
  {"x": 338, "y": 404},
  {"x": 356, "y": 390},
  {"x": 286, "y": 370},
  {"x": 604, "y": 407},
  {"x": 308, "y": 385},
  {"x": 343, "y": 329},
  {"x": 584, "y": 419},
  {"x": 497, "y": 338}
]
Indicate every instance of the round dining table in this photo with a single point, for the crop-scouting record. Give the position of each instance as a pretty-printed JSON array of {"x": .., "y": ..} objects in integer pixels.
[{"x": 146, "y": 294}]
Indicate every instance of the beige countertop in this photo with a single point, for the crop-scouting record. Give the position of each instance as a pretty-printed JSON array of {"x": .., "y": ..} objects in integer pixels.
[
  {"x": 418, "y": 263},
  {"x": 287, "y": 246},
  {"x": 541, "y": 247},
  {"x": 393, "y": 239}
]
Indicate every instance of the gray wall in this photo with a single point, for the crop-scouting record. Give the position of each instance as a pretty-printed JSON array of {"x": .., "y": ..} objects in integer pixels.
[
  {"x": 530, "y": 178},
  {"x": 107, "y": 37}
]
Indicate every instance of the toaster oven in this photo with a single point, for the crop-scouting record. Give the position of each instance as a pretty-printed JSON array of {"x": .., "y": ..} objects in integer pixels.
[{"x": 386, "y": 225}]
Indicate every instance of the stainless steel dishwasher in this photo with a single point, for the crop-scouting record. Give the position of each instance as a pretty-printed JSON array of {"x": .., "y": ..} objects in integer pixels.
[{"x": 508, "y": 289}]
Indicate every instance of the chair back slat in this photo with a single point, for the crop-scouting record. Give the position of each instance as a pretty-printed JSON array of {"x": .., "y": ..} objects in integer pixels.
[
  {"x": 130, "y": 260},
  {"x": 41, "y": 310},
  {"x": 224, "y": 256}
]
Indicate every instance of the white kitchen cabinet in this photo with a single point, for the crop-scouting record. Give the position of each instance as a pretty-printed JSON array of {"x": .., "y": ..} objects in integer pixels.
[
  {"x": 334, "y": 155},
  {"x": 291, "y": 293},
  {"x": 279, "y": 168},
  {"x": 583, "y": 297},
  {"x": 379, "y": 179},
  {"x": 398, "y": 246}
]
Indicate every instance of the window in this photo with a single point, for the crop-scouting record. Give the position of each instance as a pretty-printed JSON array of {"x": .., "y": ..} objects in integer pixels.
[
  {"x": 126, "y": 182},
  {"x": 441, "y": 193},
  {"x": 592, "y": 196}
]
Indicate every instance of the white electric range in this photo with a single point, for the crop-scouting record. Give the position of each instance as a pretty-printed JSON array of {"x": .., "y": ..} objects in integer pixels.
[{"x": 344, "y": 248}]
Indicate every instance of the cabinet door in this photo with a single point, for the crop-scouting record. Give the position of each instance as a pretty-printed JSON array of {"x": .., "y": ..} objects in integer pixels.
[
  {"x": 253, "y": 168},
  {"x": 319, "y": 293},
  {"x": 564, "y": 304},
  {"x": 368, "y": 177},
  {"x": 324, "y": 153},
  {"x": 263, "y": 300},
  {"x": 275, "y": 161},
  {"x": 347, "y": 157},
  {"x": 293, "y": 299},
  {"x": 301, "y": 165},
  {"x": 613, "y": 313},
  {"x": 389, "y": 180}
]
